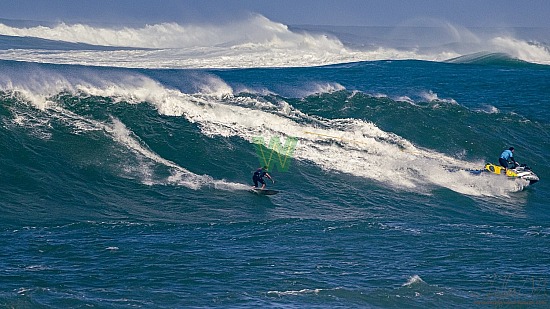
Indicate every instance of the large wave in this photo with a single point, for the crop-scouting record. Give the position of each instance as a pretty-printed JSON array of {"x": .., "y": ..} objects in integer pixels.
[{"x": 350, "y": 146}]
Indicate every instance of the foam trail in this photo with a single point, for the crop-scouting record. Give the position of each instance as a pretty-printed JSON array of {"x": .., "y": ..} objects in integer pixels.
[
  {"x": 124, "y": 136},
  {"x": 181, "y": 176}
]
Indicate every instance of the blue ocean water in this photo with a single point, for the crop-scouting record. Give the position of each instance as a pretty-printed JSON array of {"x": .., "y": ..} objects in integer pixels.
[{"x": 128, "y": 186}]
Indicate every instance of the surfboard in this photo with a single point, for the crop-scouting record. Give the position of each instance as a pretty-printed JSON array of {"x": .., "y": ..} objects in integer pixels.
[{"x": 264, "y": 191}]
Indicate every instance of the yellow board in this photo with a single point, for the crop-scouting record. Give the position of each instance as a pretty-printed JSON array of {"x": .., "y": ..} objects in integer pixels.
[{"x": 497, "y": 169}]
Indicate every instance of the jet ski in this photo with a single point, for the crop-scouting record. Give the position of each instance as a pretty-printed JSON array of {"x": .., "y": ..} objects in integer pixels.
[{"x": 519, "y": 172}]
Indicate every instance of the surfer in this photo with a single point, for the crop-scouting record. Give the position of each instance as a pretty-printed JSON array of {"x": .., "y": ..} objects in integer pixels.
[
  {"x": 259, "y": 175},
  {"x": 506, "y": 156}
]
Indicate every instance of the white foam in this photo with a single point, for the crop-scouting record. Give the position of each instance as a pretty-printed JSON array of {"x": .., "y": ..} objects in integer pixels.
[
  {"x": 36, "y": 86},
  {"x": 342, "y": 145},
  {"x": 431, "y": 96},
  {"x": 489, "y": 109},
  {"x": 413, "y": 280},
  {"x": 251, "y": 33},
  {"x": 533, "y": 52},
  {"x": 253, "y": 42},
  {"x": 256, "y": 41},
  {"x": 349, "y": 146},
  {"x": 319, "y": 88},
  {"x": 119, "y": 132},
  {"x": 180, "y": 175},
  {"x": 405, "y": 99},
  {"x": 295, "y": 292},
  {"x": 213, "y": 57}
]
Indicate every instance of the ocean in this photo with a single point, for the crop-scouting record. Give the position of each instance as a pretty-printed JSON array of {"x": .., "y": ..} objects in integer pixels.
[{"x": 127, "y": 155}]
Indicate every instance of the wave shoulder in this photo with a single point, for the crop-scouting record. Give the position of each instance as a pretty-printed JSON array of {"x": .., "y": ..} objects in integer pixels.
[{"x": 487, "y": 58}]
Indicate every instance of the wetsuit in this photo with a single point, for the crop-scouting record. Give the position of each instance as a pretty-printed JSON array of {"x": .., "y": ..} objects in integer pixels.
[{"x": 258, "y": 177}]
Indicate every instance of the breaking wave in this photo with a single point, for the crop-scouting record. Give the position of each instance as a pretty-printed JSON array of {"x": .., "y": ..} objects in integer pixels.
[{"x": 351, "y": 146}]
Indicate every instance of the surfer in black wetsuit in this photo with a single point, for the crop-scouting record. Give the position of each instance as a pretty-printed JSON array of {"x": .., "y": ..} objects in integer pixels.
[{"x": 259, "y": 175}]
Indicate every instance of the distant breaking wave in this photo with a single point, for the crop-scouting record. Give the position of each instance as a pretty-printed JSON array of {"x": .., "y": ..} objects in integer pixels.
[
  {"x": 485, "y": 58},
  {"x": 252, "y": 42},
  {"x": 534, "y": 52},
  {"x": 256, "y": 31}
]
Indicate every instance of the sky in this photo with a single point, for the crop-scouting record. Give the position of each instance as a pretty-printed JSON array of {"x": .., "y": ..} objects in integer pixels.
[{"x": 467, "y": 13}]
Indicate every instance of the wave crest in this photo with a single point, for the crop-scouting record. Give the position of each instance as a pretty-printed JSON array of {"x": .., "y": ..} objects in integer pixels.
[
  {"x": 252, "y": 32},
  {"x": 255, "y": 41},
  {"x": 533, "y": 52}
]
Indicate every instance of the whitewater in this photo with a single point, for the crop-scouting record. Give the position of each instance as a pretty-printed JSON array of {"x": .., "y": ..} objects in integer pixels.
[
  {"x": 254, "y": 42},
  {"x": 372, "y": 153}
]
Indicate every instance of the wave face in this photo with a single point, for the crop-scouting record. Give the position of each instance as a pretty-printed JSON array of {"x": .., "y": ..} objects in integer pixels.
[
  {"x": 126, "y": 186},
  {"x": 259, "y": 42}
]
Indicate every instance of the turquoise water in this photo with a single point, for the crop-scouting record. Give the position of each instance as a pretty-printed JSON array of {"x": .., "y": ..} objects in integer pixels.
[{"x": 127, "y": 187}]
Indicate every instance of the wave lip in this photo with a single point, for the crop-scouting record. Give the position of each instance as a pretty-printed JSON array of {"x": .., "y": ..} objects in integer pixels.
[
  {"x": 488, "y": 58},
  {"x": 529, "y": 51},
  {"x": 502, "y": 50}
]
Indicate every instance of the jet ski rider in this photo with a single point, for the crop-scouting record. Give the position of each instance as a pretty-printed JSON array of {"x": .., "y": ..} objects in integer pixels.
[{"x": 506, "y": 156}]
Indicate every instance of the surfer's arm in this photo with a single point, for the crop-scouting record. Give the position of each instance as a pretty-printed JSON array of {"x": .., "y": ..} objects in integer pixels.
[{"x": 269, "y": 176}]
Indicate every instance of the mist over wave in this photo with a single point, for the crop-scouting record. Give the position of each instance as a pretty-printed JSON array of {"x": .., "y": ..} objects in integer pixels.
[
  {"x": 534, "y": 52},
  {"x": 257, "y": 30},
  {"x": 257, "y": 42}
]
